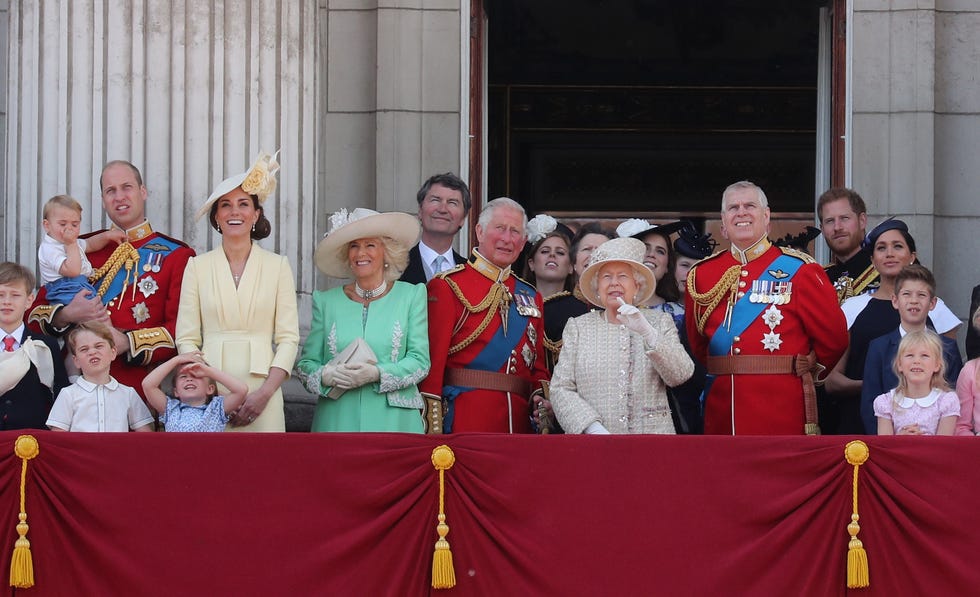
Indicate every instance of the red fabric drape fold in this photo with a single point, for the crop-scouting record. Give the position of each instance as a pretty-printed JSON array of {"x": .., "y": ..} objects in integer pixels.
[{"x": 309, "y": 514}]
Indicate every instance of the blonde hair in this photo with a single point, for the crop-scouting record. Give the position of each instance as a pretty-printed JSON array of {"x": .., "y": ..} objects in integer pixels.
[
  {"x": 396, "y": 257},
  {"x": 61, "y": 201},
  {"x": 931, "y": 340}
]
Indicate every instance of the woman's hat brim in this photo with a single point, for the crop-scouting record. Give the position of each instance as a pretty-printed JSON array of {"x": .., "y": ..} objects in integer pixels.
[
  {"x": 616, "y": 249},
  {"x": 331, "y": 253}
]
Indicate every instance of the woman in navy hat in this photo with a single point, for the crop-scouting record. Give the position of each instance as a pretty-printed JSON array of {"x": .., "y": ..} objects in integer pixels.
[{"x": 872, "y": 315}]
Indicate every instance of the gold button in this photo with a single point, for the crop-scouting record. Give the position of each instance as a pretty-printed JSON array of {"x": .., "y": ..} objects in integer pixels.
[
  {"x": 741, "y": 284},
  {"x": 741, "y": 294},
  {"x": 745, "y": 273},
  {"x": 737, "y": 339},
  {"x": 737, "y": 351}
]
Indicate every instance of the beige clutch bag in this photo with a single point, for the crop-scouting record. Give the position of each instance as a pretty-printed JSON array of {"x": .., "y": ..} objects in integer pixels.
[{"x": 357, "y": 351}]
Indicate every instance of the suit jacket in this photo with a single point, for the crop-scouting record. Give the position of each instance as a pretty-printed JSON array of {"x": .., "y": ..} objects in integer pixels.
[
  {"x": 26, "y": 405},
  {"x": 972, "y": 336},
  {"x": 879, "y": 377},
  {"x": 415, "y": 273}
]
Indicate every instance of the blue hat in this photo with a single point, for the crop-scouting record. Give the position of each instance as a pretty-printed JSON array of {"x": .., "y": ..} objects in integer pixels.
[
  {"x": 693, "y": 244},
  {"x": 890, "y": 224}
]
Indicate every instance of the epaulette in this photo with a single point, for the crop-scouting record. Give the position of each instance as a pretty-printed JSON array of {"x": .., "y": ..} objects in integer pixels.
[
  {"x": 802, "y": 256},
  {"x": 172, "y": 239},
  {"x": 525, "y": 281},
  {"x": 709, "y": 257},
  {"x": 557, "y": 295},
  {"x": 447, "y": 272}
]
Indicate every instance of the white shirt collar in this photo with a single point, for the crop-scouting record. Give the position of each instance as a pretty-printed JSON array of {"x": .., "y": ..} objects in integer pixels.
[
  {"x": 90, "y": 387},
  {"x": 429, "y": 255},
  {"x": 18, "y": 335}
]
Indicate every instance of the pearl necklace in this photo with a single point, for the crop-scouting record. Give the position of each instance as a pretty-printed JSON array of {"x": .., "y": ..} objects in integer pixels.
[{"x": 371, "y": 294}]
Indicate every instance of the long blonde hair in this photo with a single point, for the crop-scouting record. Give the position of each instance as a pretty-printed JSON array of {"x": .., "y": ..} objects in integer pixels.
[{"x": 931, "y": 340}]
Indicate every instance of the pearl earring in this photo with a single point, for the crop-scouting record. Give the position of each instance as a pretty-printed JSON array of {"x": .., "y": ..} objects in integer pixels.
[{"x": 253, "y": 227}]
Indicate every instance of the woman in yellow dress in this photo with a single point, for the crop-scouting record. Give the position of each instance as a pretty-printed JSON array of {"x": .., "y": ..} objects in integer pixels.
[{"x": 238, "y": 301}]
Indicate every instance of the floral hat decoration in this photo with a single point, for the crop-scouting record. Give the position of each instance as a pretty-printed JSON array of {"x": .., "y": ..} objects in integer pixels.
[
  {"x": 637, "y": 228},
  {"x": 259, "y": 180},
  {"x": 343, "y": 227},
  {"x": 542, "y": 225}
]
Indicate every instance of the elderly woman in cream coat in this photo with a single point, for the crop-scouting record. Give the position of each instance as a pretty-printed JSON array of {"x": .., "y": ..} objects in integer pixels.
[
  {"x": 615, "y": 364},
  {"x": 238, "y": 301}
]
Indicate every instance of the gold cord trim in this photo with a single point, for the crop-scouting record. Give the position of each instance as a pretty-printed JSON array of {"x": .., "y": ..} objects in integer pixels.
[
  {"x": 705, "y": 302},
  {"x": 124, "y": 255}
]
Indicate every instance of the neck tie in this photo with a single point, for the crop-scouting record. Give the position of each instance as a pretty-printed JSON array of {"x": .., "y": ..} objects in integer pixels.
[
  {"x": 438, "y": 264},
  {"x": 8, "y": 344}
]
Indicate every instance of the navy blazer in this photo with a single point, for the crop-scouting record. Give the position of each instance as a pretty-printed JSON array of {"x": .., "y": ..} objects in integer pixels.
[
  {"x": 879, "y": 377},
  {"x": 27, "y": 404},
  {"x": 415, "y": 273}
]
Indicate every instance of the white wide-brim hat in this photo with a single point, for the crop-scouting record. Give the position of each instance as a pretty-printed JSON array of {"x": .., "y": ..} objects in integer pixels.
[
  {"x": 626, "y": 250},
  {"x": 259, "y": 180},
  {"x": 344, "y": 227}
]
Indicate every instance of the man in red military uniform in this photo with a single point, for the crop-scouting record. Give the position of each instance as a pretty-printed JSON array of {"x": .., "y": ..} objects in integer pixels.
[
  {"x": 138, "y": 283},
  {"x": 486, "y": 333},
  {"x": 765, "y": 320}
]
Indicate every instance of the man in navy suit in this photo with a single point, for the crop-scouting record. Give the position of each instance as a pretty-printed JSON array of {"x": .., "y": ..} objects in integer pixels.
[
  {"x": 32, "y": 370},
  {"x": 915, "y": 296},
  {"x": 444, "y": 201}
]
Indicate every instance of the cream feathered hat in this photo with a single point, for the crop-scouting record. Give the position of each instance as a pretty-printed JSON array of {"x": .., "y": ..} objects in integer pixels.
[
  {"x": 259, "y": 180},
  {"x": 344, "y": 227}
]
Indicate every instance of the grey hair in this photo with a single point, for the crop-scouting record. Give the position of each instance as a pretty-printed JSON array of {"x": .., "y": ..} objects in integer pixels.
[
  {"x": 487, "y": 214},
  {"x": 744, "y": 184}
]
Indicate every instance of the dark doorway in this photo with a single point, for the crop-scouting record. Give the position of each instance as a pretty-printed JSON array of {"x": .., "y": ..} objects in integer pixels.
[{"x": 625, "y": 107}]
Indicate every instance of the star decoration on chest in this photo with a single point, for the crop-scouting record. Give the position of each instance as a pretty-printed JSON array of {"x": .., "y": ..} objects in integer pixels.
[
  {"x": 772, "y": 317},
  {"x": 771, "y": 341}
]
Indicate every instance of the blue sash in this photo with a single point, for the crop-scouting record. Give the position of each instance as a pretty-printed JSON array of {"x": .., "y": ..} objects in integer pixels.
[
  {"x": 157, "y": 246},
  {"x": 744, "y": 313},
  {"x": 494, "y": 354}
]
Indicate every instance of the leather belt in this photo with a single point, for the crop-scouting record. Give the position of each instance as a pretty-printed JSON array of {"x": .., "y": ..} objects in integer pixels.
[
  {"x": 487, "y": 380},
  {"x": 801, "y": 366}
]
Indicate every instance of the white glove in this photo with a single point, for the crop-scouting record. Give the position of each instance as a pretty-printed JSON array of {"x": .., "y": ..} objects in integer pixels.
[
  {"x": 355, "y": 376},
  {"x": 631, "y": 317},
  {"x": 327, "y": 376},
  {"x": 596, "y": 428}
]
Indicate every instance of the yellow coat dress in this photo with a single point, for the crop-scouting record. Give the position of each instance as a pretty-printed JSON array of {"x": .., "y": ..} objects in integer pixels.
[{"x": 245, "y": 330}]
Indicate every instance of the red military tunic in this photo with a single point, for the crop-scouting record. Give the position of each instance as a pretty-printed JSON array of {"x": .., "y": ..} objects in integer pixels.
[
  {"x": 142, "y": 303},
  {"x": 461, "y": 302},
  {"x": 804, "y": 317}
]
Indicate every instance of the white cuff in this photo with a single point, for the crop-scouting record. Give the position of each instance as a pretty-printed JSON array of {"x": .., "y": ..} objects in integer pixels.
[{"x": 596, "y": 428}]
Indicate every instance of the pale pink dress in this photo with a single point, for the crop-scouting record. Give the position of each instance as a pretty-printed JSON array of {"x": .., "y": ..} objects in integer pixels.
[{"x": 926, "y": 411}]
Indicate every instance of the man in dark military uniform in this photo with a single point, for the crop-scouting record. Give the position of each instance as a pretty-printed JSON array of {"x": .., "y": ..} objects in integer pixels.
[
  {"x": 138, "y": 282},
  {"x": 486, "y": 333},
  {"x": 843, "y": 219},
  {"x": 764, "y": 320}
]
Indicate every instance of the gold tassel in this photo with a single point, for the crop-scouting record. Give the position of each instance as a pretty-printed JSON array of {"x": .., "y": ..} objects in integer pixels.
[
  {"x": 856, "y": 453},
  {"x": 443, "y": 575},
  {"x": 21, "y": 563}
]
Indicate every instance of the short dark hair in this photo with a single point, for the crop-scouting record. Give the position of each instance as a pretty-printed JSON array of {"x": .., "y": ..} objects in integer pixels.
[
  {"x": 583, "y": 231},
  {"x": 450, "y": 181},
  {"x": 136, "y": 171},
  {"x": 11, "y": 273},
  {"x": 263, "y": 227},
  {"x": 835, "y": 193},
  {"x": 916, "y": 272}
]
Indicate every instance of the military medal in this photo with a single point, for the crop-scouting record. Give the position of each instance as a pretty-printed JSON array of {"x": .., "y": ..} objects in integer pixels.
[
  {"x": 157, "y": 262},
  {"x": 147, "y": 286},
  {"x": 772, "y": 318},
  {"x": 526, "y": 305},
  {"x": 140, "y": 313}
]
